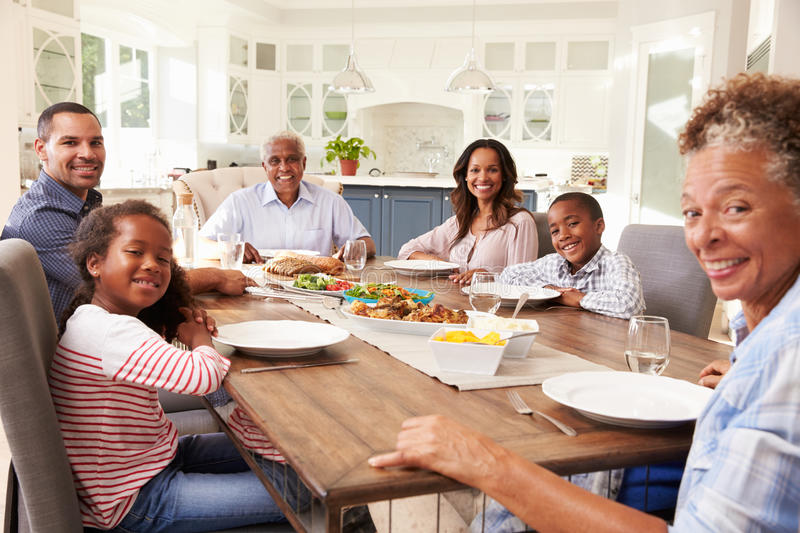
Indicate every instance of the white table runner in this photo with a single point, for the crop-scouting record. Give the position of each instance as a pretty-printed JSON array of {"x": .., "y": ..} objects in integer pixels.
[{"x": 541, "y": 363}]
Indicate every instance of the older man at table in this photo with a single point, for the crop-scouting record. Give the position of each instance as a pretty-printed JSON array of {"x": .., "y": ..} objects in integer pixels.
[
  {"x": 286, "y": 212},
  {"x": 71, "y": 147},
  {"x": 741, "y": 204}
]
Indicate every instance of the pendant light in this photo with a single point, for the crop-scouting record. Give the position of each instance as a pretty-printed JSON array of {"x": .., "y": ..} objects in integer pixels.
[
  {"x": 470, "y": 77},
  {"x": 352, "y": 79}
]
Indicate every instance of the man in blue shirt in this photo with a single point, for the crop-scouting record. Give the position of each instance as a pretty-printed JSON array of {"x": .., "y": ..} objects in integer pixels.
[
  {"x": 71, "y": 148},
  {"x": 285, "y": 211}
]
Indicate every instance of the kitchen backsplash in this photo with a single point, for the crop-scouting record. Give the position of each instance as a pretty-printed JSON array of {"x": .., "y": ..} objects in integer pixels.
[{"x": 422, "y": 148}]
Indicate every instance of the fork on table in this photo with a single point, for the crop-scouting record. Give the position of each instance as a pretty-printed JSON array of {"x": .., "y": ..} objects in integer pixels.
[{"x": 522, "y": 408}]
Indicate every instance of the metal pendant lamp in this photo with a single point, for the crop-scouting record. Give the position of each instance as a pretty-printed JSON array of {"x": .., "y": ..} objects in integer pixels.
[
  {"x": 352, "y": 79},
  {"x": 470, "y": 78}
]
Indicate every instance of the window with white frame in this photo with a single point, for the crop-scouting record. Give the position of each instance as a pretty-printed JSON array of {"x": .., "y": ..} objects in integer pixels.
[{"x": 117, "y": 86}]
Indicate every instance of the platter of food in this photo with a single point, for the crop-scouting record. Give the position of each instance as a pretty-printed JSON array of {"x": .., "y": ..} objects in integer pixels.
[
  {"x": 318, "y": 284},
  {"x": 398, "y": 315},
  {"x": 280, "y": 338},
  {"x": 509, "y": 294},
  {"x": 372, "y": 292},
  {"x": 421, "y": 266},
  {"x": 290, "y": 264}
]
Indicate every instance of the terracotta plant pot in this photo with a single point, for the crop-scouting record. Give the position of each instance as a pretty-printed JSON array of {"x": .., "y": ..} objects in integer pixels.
[{"x": 348, "y": 166}]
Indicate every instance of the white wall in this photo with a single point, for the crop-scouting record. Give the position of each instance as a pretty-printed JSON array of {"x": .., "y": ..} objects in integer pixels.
[
  {"x": 786, "y": 38},
  {"x": 9, "y": 139}
]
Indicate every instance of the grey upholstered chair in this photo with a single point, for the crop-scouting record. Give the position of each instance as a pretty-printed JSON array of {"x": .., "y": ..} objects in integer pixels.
[
  {"x": 41, "y": 495},
  {"x": 543, "y": 234},
  {"x": 674, "y": 285}
]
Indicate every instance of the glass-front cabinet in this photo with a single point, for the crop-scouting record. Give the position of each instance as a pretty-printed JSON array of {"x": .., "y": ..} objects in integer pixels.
[
  {"x": 334, "y": 113},
  {"x": 299, "y": 103},
  {"x": 49, "y": 43},
  {"x": 238, "y": 106},
  {"x": 498, "y": 108},
  {"x": 537, "y": 108}
]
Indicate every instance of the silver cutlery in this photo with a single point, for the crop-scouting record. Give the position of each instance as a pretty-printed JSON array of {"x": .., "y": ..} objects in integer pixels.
[
  {"x": 520, "y": 304},
  {"x": 329, "y": 302},
  {"x": 287, "y": 367},
  {"x": 522, "y": 408}
]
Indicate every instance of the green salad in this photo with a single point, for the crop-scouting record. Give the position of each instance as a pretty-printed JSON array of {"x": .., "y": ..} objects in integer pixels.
[
  {"x": 316, "y": 282},
  {"x": 374, "y": 291}
]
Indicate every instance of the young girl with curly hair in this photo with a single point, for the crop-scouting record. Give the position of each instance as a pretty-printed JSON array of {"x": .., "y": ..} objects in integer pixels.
[
  {"x": 131, "y": 470},
  {"x": 489, "y": 230}
]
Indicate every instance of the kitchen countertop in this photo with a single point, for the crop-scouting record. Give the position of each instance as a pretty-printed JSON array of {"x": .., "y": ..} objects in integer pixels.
[{"x": 439, "y": 182}]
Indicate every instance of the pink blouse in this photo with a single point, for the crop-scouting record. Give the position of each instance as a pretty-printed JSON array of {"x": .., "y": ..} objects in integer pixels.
[{"x": 514, "y": 243}]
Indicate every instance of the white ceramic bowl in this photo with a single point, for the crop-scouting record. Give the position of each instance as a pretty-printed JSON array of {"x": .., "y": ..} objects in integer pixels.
[
  {"x": 467, "y": 357},
  {"x": 517, "y": 347}
]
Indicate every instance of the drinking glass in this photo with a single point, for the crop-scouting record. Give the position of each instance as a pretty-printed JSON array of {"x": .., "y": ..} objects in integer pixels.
[
  {"x": 231, "y": 250},
  {"x": 647, "y": 347},
  {"x": 355, "y": 255},
  {"x": 484, "y": 292}
]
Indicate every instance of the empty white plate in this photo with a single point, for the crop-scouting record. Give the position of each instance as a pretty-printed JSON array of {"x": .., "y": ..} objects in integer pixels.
[
  {"x": 420, "y": 266},
  {"x": 629, "y": 399},
  {"x": 280, "y": 338}
]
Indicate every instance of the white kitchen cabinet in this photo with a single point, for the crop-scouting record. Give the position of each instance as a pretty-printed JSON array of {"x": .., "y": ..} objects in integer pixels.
[
  {"x": 549, "y": 92},
  {"x": 310, "y": 109},
  {"x": 49, "y": 58},
  {"x": 242, "y": 104}
]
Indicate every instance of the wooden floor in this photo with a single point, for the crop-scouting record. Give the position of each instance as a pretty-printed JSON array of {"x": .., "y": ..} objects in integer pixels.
[{"x": 716, "y": 334}]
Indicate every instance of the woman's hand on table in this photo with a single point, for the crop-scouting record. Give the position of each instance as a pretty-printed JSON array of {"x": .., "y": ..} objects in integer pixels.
[
  {"x": 251, "y": 254},
  {"x": 713, "y": 373},
  {"x": 465, "y": 278},
  {"x": 440, "y": 444}
]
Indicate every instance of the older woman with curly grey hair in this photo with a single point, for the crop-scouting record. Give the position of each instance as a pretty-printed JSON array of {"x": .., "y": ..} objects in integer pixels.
[{"x": 741, "y": 204}]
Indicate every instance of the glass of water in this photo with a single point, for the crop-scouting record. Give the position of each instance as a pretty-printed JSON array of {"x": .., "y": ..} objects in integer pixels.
[
  {"x": 355, "y": 255},
  {"x": 647, "y": 347},
  {"x": 231, "y": 250},
  {"x": 484, "y": 292}
]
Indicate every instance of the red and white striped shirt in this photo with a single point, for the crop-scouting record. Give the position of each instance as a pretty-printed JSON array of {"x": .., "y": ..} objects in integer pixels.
[{"x": 104, "y": 380}]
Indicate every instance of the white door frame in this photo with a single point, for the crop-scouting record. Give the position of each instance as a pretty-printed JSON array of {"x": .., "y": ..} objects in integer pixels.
[{"x": 695, "y": 31}]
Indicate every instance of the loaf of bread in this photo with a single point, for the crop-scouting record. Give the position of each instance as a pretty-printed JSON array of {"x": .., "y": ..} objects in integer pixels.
[
  {"x": 328, "y": 265},
  {"x": 290, "y": 266}
]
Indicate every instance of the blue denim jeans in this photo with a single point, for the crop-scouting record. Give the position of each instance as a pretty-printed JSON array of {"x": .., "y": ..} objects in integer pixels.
[{"x": 207, "y": 486}]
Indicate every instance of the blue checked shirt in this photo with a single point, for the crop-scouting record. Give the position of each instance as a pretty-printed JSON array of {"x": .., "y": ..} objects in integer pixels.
[
  {"x": 611, "y": 283},
  {"x": 47, "y": 216},
  {"x": 743, "y": 471}
]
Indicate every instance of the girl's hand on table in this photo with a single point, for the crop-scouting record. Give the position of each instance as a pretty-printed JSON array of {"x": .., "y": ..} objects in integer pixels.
[
  {"x": 196, "y": 330},
  {"x": 713, "y": 373},
  {"x": 465, "y": 278}
]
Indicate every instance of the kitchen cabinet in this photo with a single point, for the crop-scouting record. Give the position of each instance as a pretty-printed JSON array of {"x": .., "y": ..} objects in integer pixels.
[
  {"x": 48, "y": 40},
  {"x": 395, "y": 215},
  {"x": 550, "y": 92},
  {"x": 310, "y": 108},
  {"x": 242, "y": 105}
]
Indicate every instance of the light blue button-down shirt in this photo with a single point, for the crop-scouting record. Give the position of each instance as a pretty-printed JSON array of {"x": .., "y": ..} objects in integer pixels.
[
  {"x": 743, "y": 471},
  {"x": 317, "y": 220}
]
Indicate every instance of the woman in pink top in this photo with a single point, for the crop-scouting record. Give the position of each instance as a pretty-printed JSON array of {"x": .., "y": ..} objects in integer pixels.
[{"x": 489, "y": 230}]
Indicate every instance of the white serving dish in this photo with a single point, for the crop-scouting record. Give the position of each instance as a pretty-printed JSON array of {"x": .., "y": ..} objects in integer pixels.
[
  {"x": 468, "y": 358},
  {"x": 518, "y": 346},
  {"x": 397, "y": 326}
]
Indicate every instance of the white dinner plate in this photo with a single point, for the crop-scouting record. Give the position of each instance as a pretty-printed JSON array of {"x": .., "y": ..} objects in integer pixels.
[
  {"x": 629, "y": 399},
  {"x": 398, "y": 326},
  {"x": 509, "y": 294},
  {"x": 272, "y": 252},
  {"x": 280, "y": 338},
  {"x": 289, "y": 284},
  {"x": 420, "y": 266}
]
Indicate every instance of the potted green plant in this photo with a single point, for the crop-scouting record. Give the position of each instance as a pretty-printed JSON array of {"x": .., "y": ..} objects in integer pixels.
[{"x": 347, "y": 152}]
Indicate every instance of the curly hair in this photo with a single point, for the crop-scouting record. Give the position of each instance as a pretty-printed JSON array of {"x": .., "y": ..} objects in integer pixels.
[
  {"x": 504, "y": 206},
  {"x": 94, "y": 235},
  {"x": 752, "y": 112}
]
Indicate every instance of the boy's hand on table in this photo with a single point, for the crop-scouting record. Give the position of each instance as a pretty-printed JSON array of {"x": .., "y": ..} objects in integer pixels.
[{"x": 569, "y": 295}]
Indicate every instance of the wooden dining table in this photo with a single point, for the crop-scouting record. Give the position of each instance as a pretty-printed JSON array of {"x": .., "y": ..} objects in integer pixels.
[{"x": 327, "y": 421}]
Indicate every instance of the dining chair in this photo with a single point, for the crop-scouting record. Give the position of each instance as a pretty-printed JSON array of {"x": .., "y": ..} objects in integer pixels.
[
  {"x": 210, "y": 187},
  {"x": 543, "y": 235},
  {"x": 41, "y": 495},
  {"x": 673, "y": 282}
]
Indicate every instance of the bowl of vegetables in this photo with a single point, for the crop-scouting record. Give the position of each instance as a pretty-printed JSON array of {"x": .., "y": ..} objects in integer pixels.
[
  {"x": 372, "y": 292},
  {"x": 319, "y": 284}
]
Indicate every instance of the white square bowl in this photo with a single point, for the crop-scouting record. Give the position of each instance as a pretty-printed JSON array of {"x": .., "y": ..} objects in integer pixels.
[
  {"x": 517, "y": 348},
  {"x": 470, "y": 358}
]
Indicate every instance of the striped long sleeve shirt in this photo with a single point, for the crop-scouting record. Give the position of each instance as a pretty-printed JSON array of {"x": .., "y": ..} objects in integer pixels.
[{"x": 104, "y": 379}]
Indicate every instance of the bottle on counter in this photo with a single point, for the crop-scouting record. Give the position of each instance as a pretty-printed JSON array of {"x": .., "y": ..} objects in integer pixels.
[{"x": 185, "y": 231}]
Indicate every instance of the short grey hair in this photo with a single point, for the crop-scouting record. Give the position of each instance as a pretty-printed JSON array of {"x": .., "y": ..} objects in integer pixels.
[{"x": 284, "y": 135}]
